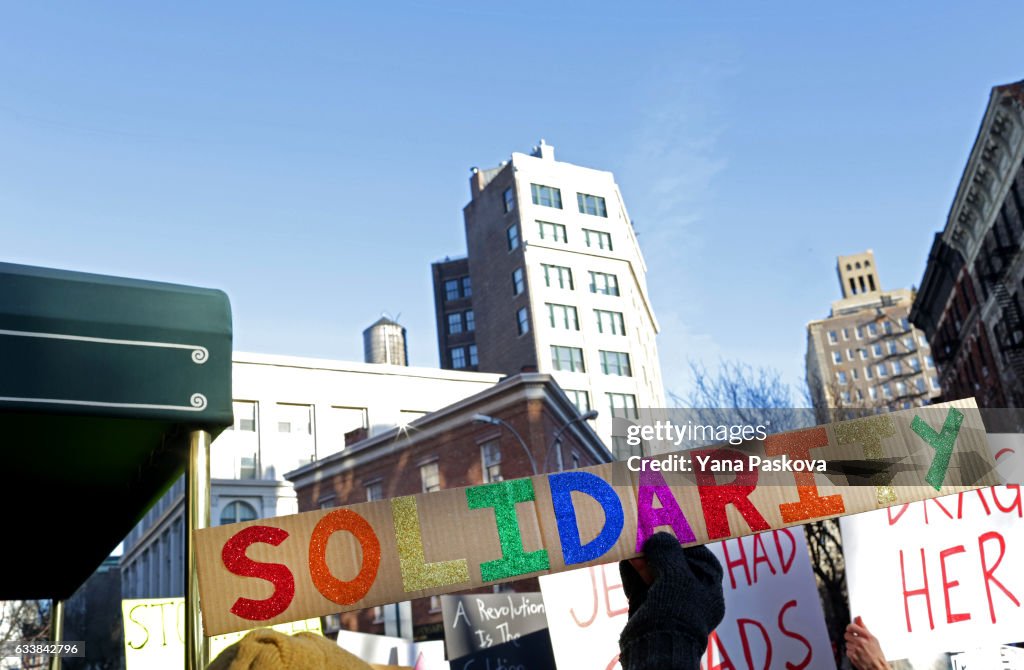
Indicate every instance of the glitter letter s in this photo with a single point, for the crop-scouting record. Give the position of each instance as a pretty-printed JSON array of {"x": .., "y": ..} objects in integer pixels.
[
  {"x": 416, "y": 572},
  {"x": 650, "y": 518},
  {"x": 798, "y": 446},
  {"x": 942, "y": 443},
  {"x": 562, "y": 486},
  {"x": 503, "y": 496},
  {"x": 332, "y": 588},
  {"x": 279, "y": 575}
]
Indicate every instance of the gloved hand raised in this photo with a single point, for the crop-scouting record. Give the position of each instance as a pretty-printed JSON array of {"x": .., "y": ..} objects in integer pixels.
[{"x": 675, "y": 601}]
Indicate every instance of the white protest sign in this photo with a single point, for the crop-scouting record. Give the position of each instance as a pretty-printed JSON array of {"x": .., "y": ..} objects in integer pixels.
[
  {"x": 772, "y": 619},
  {"x": 154, "y": 633},
  {"x": 386, "y": 650},
  {"x": 941, "y": 575}
]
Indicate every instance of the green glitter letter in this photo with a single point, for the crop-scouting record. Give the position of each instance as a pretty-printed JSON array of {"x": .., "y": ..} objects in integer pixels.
[
  {"x": 942, "y": 443},
  {"x": 503, "y": 496}
]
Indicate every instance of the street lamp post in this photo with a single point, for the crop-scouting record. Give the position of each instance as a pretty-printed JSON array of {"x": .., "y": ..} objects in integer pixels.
[
  {"x": 495, "y": 421},
  {"x": 557, "y": 444}
]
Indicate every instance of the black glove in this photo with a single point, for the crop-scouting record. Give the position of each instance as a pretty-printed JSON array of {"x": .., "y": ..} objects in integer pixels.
[{"x": 670, "y": 620}]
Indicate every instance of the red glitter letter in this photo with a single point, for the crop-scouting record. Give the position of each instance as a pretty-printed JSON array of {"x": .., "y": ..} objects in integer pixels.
[
  {"x": 798, "y": 446},
  {"x": 714, "y": 497},
  {"x": 332, "y": 588},
  {"x": 279, "y": 575}
]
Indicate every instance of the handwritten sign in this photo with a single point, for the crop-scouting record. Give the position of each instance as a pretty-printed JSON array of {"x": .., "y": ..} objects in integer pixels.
[
  {"x": 529, "y": 652},
  {"x": 942, "y": 575},
  {"x": 476, "y": 621},
  {"x": 315, "y": 563},
  {"x": 154, "y": 633},
  {"x": 772, "y": 618}
]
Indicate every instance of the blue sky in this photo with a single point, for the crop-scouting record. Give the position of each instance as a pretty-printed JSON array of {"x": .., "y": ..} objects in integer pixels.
[{"x": 312, "y": 159}]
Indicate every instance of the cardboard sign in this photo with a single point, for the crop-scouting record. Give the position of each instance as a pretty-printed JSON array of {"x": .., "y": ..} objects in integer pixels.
[
  {"x": 773, "y": 616},
  {"x": 476, "y": 621},
  {"x": 154, "y": 633},
  {"x": 940, "y": 575},
  {"x": 530, "y": 652},
  {"x": 326, "y": 561}
]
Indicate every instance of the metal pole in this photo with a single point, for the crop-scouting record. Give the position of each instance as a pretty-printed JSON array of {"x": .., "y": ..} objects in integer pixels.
[
  {"x": 56, "y": 629},
  {"x": 197, "y": 502},
  {"x": 522, "y": 443}
]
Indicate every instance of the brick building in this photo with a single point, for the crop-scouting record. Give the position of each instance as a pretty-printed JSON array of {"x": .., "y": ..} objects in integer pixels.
[
  {"x": 971, "y": 301},
  {"x": 473, "y": 441}
]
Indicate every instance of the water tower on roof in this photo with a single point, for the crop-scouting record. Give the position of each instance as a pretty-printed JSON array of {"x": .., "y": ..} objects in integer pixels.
[{"x": 384, "y": 342}]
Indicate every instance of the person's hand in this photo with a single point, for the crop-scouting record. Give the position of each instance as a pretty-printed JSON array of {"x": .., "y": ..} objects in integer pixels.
[
  {"x": 675, "y": 601},
  {"x": 862, "y": 648}
]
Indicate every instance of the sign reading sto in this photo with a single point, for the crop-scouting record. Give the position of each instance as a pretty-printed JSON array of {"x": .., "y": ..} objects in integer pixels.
[{"x": 296, "y": 567}]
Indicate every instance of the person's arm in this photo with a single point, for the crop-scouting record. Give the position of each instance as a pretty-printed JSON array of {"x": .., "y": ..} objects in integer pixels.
[
  {"x": 675, "y": 601},
  {"x": 863, "y": 648}
]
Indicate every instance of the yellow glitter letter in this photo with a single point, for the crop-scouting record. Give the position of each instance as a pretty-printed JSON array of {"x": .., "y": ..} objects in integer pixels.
[
  {"x": 417, "y": 574},
  {"x": 869, "y": 433}
]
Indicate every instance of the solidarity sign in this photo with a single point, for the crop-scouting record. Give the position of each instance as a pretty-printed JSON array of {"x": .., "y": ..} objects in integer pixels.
[{"x": 295, "y": 567}]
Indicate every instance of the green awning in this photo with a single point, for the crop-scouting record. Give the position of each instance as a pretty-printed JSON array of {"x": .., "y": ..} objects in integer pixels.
[{"x": 101, "y": 380}]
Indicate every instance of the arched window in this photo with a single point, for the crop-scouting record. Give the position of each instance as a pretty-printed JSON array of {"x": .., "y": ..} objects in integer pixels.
[{"x": 237, "y": 511}]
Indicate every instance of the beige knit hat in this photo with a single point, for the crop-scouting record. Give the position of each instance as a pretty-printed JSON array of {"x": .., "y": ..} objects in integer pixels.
[{"x": 267, "y": 649}]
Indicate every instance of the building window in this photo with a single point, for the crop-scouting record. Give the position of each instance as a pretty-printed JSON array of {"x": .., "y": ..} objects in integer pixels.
[
  {"x": 546, "y": 196},
  {"x": 470, "y": 320},
  {"x": 908, "y": 342},
  {"x": 575, "y": 461},
  {"x": 579, "y": 398},
  {"x": 473, "y": 358},
  {"x": 615, "y": 363},
  {"x": 887, "y": 326},
  {"x": 490, "y": 458},
  {"x": 846, "y": 333},
  {"x": 892, "y": 347},
  {"x": 467, "y": 287},
  {"x": 833, "y": 336},
  {"x": 430, "y": 477},
  {"x": 512, "y": 234},
  {"x": 517, "y": 281},
  {"x": 598, "y": 239},
  {"x": 882, "y": 370},
  {"x": 510, "y": 199},
  {"x": 876, "y": 350},
  {"x": 455, "y": 323},
  {"x": 458, "y": 356},
  {"x": 837, "y": 357},
  {"x": 919, "y": 383},
  {"x": 869, "y": 372},
  {"x": 374, "y": 491},
  {"x": 558, "y": 276},
  {"x": 451, "y": 289},
  {"x": 236, "y": 512},
  {"x": 897, "y": 368},
  {"x": 886, "y": 391},
  {"x": 842, "y": 377},
  {"x": 873, "y": 392},
  {"x": 901, "y": 389},
  {"x": 610, "y": 323},
  {"x": 563, "y": 316},
  {"x": 935, "y": 383},
  {"x": 567, "y": 358},
  {"x": 914, "y": 363},
  {"x": 863, "y": 354},
  {"x": 604, "y": 283},
  {"x": 860, "y": 332},
  {"x": 295, "y": 419},
  {"x": 854, "y": 374},
  {"x": 552, "y": 231},
  {"x": 245, "y": 416},
  {"x": 327, "y": 502},
  {"x": 872, "y": 329},
  {"x": 591, "y": 204},
  {"x": 928, "y": 362},
  {"x": 523, "y": 321},
  {"x": 622, "y": 405},
  {"x": 845, "y": 395},
  {"x": 247, "y": 467},
  {"x": 849, "y": 354}
]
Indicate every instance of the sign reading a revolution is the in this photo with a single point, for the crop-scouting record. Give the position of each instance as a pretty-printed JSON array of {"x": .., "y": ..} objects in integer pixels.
[{"x": 296, "y": 567}]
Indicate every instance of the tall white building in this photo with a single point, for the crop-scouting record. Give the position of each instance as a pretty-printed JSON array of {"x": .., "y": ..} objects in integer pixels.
[
  {"x": 288, "y": 412},
  {"x": 553, "y": 280}
]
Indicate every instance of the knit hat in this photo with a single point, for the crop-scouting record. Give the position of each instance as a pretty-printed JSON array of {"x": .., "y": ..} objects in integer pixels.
[
  {"x": 670, "y": 620},
  {"x": 267, "y": 649}
]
